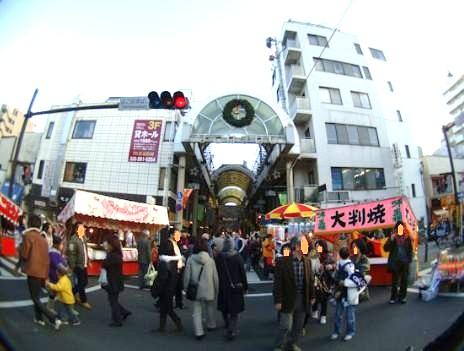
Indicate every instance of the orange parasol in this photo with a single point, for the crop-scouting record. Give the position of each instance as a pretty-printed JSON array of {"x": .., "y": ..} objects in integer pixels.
[{"x": 294, "y": 210}]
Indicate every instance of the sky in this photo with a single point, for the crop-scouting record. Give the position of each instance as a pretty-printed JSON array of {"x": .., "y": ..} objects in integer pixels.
[{"x": 96, "y": 49}]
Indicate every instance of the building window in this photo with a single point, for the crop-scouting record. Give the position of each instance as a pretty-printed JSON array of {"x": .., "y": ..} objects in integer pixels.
[
  {"x": 307, "y": 133},
  {"x": 74, "y": 172},
  {"x": 278, "y": 94},
  {"x": 413, "y": 190},
  {"x": 357, "y": 178},
  {"x": 390, "y": 86},
  {"x": 358, "y": 49},
  {"x": 273, "y": 77},
  {"x": 41, "y": 169},
  {"x": 377, "y": 54},
  {"x": 330, "y": 96},
  {"x": 317, "y": 40},
  {"x": 162, "y": 178},
  {"x": 361, "y": 100},
  {"x": 408, "y": 154},
  {"x": 400, "y": 118},
  {"x": 170, "y": 131},
  {"x": 351, "y": 135},
  {"x": 337, "y": 67},
  {"x": 367, "y": 73},
  {"x": 83, "y": 130},
  {"x": 50, "y": 130}
]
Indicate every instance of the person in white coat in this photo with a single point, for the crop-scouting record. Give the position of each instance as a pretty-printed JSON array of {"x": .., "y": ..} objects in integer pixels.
[{"x": 201, "y": 270}]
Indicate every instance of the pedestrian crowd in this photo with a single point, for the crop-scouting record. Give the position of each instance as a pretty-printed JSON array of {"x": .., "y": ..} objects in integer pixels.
[{"x": 211, "y": 272}]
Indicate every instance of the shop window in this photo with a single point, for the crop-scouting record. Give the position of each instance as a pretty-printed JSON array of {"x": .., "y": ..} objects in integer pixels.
[
  {"x": 84, "y": 130},
  {"x": 50, "y": 130},
  {"x": 41, "y": 169}
]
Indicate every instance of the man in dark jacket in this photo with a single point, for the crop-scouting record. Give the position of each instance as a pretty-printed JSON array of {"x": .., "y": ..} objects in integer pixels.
[
  {"x": 400, "y": 247},
  {"x": 78, "y": 260},
  {"x": 144, "y": 257},
  {"x": 293, "y": 294}
]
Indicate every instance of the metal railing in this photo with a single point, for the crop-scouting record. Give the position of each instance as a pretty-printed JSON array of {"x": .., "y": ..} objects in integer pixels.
[
  {"x": 294, "y": 70},
  {"x": 300, "y": 104},
  {"x": 307, "y": 146}
]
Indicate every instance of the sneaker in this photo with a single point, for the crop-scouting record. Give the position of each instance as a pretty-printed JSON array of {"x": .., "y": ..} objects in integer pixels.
[
  {"x": 334, "y": 336},
  {"x": 403, "y": 301},
  {"x": 348, "y": 337},
  {"x": 315, "y": 314},
  {"x": 323, "y": 320},
  {"x": 58, "y": 323},
  {"x": 39, "y": 322},
  {"x": 65, "y": 322},
  {"x": 392, "y": 302},
  {"x": 76, "y": 323}
]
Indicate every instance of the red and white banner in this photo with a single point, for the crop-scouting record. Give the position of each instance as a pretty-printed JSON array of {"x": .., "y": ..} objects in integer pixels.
[
  {"x": 145, "y": 141},
  {"x": 95, "y": 205},
  {"x": 9, "y": 210},
  {"x": 370, "y": 215}
]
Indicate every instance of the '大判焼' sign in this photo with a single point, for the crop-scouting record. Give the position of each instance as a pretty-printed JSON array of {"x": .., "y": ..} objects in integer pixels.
[{"x": 145, "y": 141}]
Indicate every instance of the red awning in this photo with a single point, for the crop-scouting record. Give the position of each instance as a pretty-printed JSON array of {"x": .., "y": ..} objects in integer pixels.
[{"x": 9, "y": 210}]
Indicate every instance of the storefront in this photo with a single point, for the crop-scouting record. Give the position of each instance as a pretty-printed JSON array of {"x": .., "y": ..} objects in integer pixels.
[
  {"x": 9, "y": 215},
  {"x": 104, "y": 216}
]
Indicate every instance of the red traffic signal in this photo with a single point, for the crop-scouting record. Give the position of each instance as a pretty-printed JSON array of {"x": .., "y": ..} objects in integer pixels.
[{"x": 166, "y": 101}]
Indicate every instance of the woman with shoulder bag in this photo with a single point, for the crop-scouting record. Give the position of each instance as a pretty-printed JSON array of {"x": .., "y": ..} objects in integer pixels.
[
  {"x": 202, "y": 284},
  {"x": 114, "y": 280},
  {"x": 232, "y": 287}
]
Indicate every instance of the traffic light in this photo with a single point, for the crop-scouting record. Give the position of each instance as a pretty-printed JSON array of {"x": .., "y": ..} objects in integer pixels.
[{"x": 167, "y": 101}]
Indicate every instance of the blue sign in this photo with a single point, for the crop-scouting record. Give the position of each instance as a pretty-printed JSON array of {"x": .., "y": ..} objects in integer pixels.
[
  {"x": 179, "y": 195},
  {"x": 18, "y": 192}
]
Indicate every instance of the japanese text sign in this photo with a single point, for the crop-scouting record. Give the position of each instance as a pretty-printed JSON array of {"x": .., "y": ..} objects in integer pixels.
[
  {"x": 375, "y": 214},
  {"x": 145, "y": 141}
]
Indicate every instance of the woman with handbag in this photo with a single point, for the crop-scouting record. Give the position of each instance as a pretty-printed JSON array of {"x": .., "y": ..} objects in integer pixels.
[
  {"x": 232, "y": 287},
  {"x": 114, "y": 280},
  {"x": 202, "y": 284}
]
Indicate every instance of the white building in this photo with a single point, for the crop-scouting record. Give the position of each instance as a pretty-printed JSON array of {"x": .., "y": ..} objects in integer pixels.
[
  {"x": 343, "y": 102},
  {"x": 90, "y": 150},
  {"x": 454, "y": 98}
]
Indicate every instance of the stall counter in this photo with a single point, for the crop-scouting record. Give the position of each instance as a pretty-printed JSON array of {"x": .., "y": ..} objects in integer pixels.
[
  {"x": 379, "y": 271},
  {"x": 130, "y": 265}
]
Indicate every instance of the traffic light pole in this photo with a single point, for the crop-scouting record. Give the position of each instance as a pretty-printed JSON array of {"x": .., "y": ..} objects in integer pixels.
[{"x": 30, "y": 114}]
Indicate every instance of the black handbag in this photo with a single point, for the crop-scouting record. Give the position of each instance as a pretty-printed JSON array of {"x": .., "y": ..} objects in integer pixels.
[
  {"x": 192, "y": 288},
  {"x": 155, "y": 289}
]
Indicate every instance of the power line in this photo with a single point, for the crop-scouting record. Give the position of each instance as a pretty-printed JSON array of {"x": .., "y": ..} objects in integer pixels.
[{"x": 331, "y": 36}]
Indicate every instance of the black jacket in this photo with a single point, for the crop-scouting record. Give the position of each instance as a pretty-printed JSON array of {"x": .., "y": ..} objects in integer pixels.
[
  {"x": 392, "y": 247},
  {"x": 167, "y": 278},
  {"x": 285, "y": 284},
  {"x": 230, "y": 268},
  {"x": 144, "y": 252},
  {"x": 113, "y": 266}
]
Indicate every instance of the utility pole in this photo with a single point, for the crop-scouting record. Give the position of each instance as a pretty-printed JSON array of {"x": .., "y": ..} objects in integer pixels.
[
  {"x": 453, "y": 175},
  {"x": 14, "y": 162}
]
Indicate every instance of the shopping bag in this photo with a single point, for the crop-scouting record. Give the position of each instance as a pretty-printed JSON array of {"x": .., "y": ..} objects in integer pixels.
[
  {"x": 151, "y": 275},
  {"x": 103, "y": 278}
]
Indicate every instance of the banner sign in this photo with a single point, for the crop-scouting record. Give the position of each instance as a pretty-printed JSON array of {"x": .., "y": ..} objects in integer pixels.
[
  {"x": 145, "y": 141},
  {"x": 370, "y": 215},
  {"x": 9, "y": 210}
]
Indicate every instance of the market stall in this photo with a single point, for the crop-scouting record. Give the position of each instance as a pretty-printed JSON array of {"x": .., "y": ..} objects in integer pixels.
[
  {"x": 103, "y": 216},
  {"x": 371, "y": 220},
  {"x": 9, "y": 214}
]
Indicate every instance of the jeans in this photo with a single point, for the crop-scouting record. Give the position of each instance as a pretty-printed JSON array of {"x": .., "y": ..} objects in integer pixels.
[
  {"x": 199, "y": 308},
  {"x": 166, "y": 309},
  {"x": 344, "y": 309},
  {"x": 143, "y": 269},
  {"x": 66, "y": 312},
  {"x": 230, "y": 322},
  {"x": 291, "y": 324},
  {"x": 35, "y": 285},
  {"x": 400, "y": 275},
  {"x": 117, "y": 310},
  {"x": 82, "y": 281},
  {"x": 321, "y": 298}
]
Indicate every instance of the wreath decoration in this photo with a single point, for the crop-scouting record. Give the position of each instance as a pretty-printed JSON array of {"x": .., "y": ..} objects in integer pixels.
[{"x": 233, "y": 113}]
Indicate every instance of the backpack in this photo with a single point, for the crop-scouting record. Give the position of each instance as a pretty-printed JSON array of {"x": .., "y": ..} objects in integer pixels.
[{"x": 341, "y": 274}]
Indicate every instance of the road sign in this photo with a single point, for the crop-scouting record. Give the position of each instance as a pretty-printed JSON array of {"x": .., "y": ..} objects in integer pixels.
[{"x": 133, "y": 103}]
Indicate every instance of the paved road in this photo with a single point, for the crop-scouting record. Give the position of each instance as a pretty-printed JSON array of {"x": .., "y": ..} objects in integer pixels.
[{"x": 380, "y": 326}]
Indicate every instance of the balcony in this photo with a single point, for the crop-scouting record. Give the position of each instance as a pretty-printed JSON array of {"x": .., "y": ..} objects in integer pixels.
[
  {"x": 292, "y": 52},
  {"x": 335, "y": 196},
  {"x": 296, "y": 79},
  {"x": 307, "y": 146},
  {"x": 300, "y": 110}
]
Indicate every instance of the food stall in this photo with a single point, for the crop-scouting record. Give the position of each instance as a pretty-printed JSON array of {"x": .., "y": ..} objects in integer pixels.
[
  {"x": 340, "y": 225},
  {"x": 9, "y": 215},
  {"x": 103, "y": 216}
]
